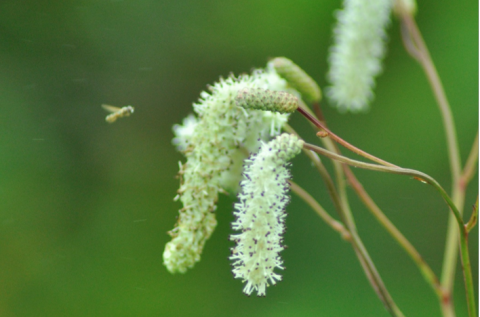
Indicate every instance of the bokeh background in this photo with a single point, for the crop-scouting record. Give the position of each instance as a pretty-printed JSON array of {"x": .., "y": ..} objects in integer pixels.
[{"x": 85, "y": 206}]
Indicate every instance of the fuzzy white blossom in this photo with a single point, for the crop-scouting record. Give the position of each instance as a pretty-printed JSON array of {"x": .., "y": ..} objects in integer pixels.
[
  {"x": 355, "y": 57},
  {"x": 214, "y": 145},
  {"x": 230, "y": 178},
  {"x": 184, "y": 132},
  {"x": 260, "y": 214}
]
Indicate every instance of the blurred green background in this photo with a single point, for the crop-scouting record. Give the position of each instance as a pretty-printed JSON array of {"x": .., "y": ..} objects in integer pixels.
[{"x": 85, "y": 206}]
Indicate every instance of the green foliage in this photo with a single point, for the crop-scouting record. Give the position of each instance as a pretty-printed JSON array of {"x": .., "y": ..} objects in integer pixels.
[{"x": 85, "y": 206}]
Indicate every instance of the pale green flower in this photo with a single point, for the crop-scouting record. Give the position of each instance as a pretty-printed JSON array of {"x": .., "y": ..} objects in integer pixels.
[
  {"x": 266, "y": 100},
  {"x": 260, "y": 214},
  {"x": 184, "y": 132},
  {"x": 355, "y": 57},
  {"x": 297, "y": 78},
  {"x": 213, "y": 145}
]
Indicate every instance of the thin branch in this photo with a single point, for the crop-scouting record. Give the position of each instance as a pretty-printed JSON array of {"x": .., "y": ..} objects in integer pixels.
[
  {"x": 471, "y": 165},
  {"x": 413, "y": 38},
  {"x": 365, "y": 260},
  {"x": 473, "y": 218},
  {"x": 317, "y": 162},
  {"x": 335, "y": 225},
  {"x": 367, "y": 264},
  {"x": 422, "y": 55},
  {"x": 467, "y": 270},
  {"x": 341, "y": 141},
  {"x": 425, "y": 269}
]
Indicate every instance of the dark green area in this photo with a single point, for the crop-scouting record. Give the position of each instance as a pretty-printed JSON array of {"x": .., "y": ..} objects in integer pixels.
[{"x": 85, "y": 206}]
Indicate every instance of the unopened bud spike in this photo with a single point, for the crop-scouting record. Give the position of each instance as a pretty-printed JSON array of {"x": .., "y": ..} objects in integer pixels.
[
  {"x": 266, "y": 100},
  {"x": 297, "y": 78}
]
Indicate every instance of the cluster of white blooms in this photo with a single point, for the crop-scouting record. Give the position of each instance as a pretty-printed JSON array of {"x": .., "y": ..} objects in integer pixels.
[
  {"x": 355, "y": 57},
  {"x": 215, "y": 143},
  {"x": 260, "y": 214}
]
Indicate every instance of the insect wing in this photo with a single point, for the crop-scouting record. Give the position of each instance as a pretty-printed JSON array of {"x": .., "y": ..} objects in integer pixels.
[{"x": 110, "y": 108}]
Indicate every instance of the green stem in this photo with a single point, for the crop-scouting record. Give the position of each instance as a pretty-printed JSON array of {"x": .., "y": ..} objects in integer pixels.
[
  {"x": 473, "y": 218},
  {"x": 341, "y": 184},
  {"x": 341, "y": 199},
  {"x": 422, "y": 55},
  {"x": 424, "y": 268},
  {"x": 339, "y": 173},
  {"x": 467, "y": 271},
  {"x": 360, "y": 250},
  {"x": 317, "y": 162},
  {"x": 417, "y": 48},
  {"x": 470, "y": 166},
  {"x": 341, "y": 141},
  {"x": 335, "y": 225},
  {"x": 369, "y": 268}
]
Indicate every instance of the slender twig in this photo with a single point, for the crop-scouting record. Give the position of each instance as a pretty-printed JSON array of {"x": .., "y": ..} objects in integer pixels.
[
  {"x": 413, "y": 36},
  {"x": 341, "y": 183},
  {"x": 323, "y": 173},
  {"x": 470, "y": 166},
  {"x": 467, "y": 271},
  {"x": 473, "y": 218},
  {"x": 425, "y": 269},
  {"x": 422, "y": 55},
  {"x": 370, "y": 268},
  {"x": 341, "y": 141},
  {"x": 411, "y": 48},
  {"x": 358, "y": 246},
  {"x": 334, "y": 224},
  {"x": 367, "y": 264},
  {"x": 395, "y": 170}
]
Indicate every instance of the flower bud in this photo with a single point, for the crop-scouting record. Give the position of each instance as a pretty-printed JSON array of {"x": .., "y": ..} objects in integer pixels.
[
  {"x": 297, "y": 78},
  {"x": 266, "y": 100}
]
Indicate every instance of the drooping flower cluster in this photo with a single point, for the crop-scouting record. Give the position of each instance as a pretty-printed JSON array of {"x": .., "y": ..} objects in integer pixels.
[
  {"x": 355, "y": 57},
  {"x": 260, "y": 214},
  {"x": 215, "y": 143}
]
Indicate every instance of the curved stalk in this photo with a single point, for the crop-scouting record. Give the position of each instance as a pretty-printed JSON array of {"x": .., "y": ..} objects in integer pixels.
[
  {"x": 339, "y": 175},
  {"x": 417, "y": 48},
  {"x": 341, "y": 141},
  {"x": 471, "y": 165},
  {"x": 473, "y": 218},
  {"x": 367, "y": 264},
  {"x": 323, "y": 173},
  {"x": 427, "y": 272},
  {"x": 365, "y": 260},
  {"x": 424, "y": 268},
  {"x": 334, "y": 224},
  {"x": 467, "y": 271}
]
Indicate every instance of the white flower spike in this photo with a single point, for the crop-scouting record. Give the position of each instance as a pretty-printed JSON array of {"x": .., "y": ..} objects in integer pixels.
[
  {"x": 260, "y": 214},
  {"x": 355, "y": 57},
  {"x": 212, "y": 143}
]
